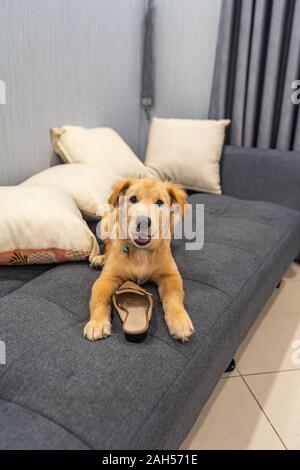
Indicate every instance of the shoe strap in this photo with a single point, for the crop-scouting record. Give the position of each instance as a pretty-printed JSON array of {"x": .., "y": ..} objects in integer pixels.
[{"x": 130, "y": 286}]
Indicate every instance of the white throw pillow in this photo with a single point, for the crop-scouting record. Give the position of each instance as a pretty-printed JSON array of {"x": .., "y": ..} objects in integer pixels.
[
  {"x": 101, "y": 147},
  {"x": 41, "y": 226},
  {"x": 187, "y": 151},
  {"x": 89, "y": 186}
]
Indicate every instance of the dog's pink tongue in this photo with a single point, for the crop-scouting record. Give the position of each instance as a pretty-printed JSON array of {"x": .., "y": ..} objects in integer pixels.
[{"x": 143, "y": 237}]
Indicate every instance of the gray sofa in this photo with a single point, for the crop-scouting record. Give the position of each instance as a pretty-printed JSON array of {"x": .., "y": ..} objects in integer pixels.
[{"x": 59, "y": 391}]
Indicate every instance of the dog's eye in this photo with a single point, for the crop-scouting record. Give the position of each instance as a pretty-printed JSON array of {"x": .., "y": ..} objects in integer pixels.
[
  {"x": 133, "y": 200},
  {"x": 159, "y": 203}
]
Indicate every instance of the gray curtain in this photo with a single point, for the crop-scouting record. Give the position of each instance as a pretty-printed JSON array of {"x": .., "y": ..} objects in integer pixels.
[{"x": 258, "y": 58}]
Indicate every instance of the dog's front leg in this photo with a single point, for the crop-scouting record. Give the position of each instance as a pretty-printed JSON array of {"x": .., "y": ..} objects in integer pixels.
[
  {"x": 170, "y": 289},
  {"x": 99, "y": 325}
]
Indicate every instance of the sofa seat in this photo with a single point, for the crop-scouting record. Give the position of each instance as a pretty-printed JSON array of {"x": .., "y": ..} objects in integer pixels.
[{"x": 57, "y": 390}]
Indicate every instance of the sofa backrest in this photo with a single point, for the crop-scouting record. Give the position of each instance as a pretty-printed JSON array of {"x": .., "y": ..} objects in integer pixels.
[{"x": 262, "y": 175}]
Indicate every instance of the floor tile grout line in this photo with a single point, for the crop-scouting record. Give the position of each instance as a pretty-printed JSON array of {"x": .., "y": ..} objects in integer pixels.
[
  {"x": 263, "y": 411},
  {"x": 229, "y": 377},
  {"x": 270, "y": 372}
]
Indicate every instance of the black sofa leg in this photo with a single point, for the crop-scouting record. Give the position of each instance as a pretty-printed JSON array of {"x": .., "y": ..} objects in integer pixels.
[
  {"x": 279, "y": 284},
  {"x": 231, "y": 366}
]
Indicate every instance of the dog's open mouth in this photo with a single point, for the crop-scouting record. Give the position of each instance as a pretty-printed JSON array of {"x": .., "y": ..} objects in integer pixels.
[{"x": 142, "y": 239}]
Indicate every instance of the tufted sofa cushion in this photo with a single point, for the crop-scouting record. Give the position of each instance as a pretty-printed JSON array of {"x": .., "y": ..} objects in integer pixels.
[{"x": 60, "y": 391}]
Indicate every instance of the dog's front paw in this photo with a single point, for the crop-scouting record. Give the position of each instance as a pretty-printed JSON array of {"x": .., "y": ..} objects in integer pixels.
[
  {"x": 180, "y": 325},
  {"x": 97, "y": 329},
  {"x": 98, "y": 262}
]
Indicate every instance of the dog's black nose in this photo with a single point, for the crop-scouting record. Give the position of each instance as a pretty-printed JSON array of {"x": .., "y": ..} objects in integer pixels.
[{"x": 143, "y": 223}]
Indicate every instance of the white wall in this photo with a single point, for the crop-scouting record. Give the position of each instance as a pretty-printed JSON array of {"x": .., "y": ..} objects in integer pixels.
[
  {"x": 66, "y": 62},
  {"x": 79, "y": 62},
  {"x": 185, "y": 46}
]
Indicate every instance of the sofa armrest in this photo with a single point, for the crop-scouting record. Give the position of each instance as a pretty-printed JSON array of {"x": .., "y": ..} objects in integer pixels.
[{"x": 259, "y": 174}]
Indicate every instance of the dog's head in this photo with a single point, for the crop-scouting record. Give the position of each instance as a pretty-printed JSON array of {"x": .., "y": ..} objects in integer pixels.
[{"x": 148, "y": 210}]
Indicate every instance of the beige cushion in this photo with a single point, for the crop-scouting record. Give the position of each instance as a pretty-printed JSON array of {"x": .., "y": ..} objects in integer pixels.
[
  {"x": 42, "y": 225},
  {"x": 187, "y": 151},
  {"x": 89, "y": 186},
  {"x": 101, "y": 147}
]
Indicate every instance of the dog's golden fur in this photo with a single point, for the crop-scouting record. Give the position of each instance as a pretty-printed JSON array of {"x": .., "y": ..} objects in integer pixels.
[{"x": 153, "y": 262}]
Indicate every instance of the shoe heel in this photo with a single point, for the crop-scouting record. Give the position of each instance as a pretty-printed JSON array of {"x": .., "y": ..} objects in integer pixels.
[{"x": 136, "y": 338}]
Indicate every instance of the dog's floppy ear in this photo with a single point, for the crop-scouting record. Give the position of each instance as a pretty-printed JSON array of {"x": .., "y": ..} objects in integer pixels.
[
  {"x": 119, "y": 188},
  {"x": 178, "y": 196}
]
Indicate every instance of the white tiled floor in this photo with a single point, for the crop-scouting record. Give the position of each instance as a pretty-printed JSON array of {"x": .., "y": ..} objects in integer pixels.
[{"x": 258, "y": 406}]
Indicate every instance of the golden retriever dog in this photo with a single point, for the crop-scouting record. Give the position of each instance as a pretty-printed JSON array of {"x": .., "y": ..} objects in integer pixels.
[{"x": 142, "y": 254}]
